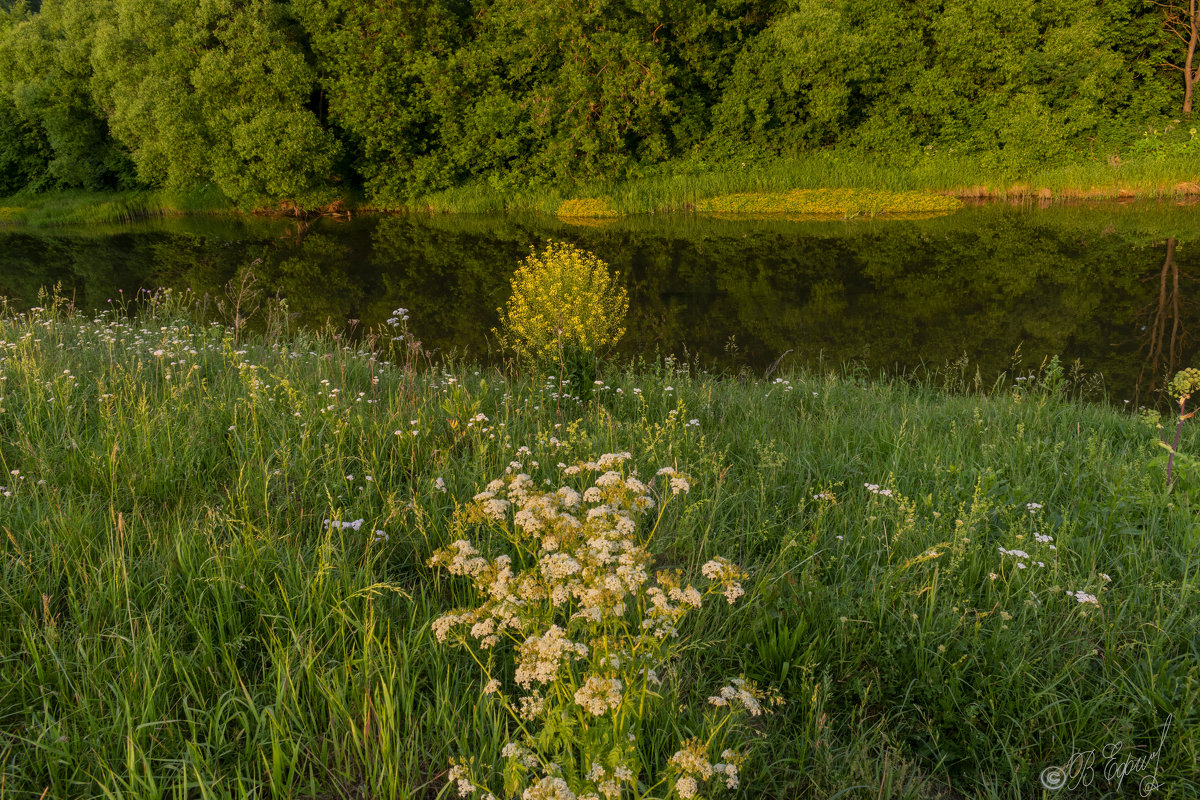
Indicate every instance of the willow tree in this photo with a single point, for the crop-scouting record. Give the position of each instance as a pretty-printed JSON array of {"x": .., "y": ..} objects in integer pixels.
[
  {"x": 218, "y": 92},
  {"x": 45, "y": 63}
]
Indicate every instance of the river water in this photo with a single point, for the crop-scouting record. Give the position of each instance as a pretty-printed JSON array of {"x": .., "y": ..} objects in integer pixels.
[{"x": 989, "y": 289}]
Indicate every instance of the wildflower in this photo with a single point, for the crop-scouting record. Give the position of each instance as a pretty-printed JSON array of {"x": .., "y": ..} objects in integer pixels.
[
  {"x": 1017, "y": 553},
  {"x": 738, "y": 692},
  {"x": 589, "y": 302},
  {"x": 729, "y": 768},
  {"x": 581, "y": 564},
  {"x": 692, "y": 759},
  {"x": 539, "y": 657},
  {"x": 532, "y": 706},
  {"x": 460, "y": 558},
  {"x": 496, "y": 508},
  {"x": 1033, "y": 508},
  {"x": 549, "y": 788},
  {"x": 724, "y": 572},
  {"x": 598, "y": 695},
  {"x": 1085, "y": 598}
]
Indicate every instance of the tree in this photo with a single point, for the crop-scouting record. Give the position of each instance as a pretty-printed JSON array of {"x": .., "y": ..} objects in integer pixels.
[
  {"x": 24, "y": 152},
  {"x": 1182, "y": 19},
  {"x": 384, "y": 75},
  {"x": 45, "y": 59},
  {"x": 219, "y": 91}
]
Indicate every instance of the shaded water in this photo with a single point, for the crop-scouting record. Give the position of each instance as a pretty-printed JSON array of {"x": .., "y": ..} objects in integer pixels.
[{"x": 1112, "y": 286}]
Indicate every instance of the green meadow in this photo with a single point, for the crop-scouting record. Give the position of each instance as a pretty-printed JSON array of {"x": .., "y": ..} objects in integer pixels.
[{"x": 216, "y": 546}]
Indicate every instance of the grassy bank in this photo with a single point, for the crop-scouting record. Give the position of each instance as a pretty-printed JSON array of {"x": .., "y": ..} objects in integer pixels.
[
  {"x": 178, "y": 620},
  {"x": 816, "y": 185},
  {"x": 683, "y": 187},
  {"x": 88, "y": 208}
]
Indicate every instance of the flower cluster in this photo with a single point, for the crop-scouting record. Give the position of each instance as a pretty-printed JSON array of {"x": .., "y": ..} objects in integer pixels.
[
  {"x": 588, "y": 622},
  {"x": 739, "y": 692},
  {"x": 564, "y": 297},
  {"x": 693, "y": 770}
]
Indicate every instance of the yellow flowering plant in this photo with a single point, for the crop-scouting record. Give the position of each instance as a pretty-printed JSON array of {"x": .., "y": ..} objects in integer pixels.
[
  {"x": 566, "y": 308},
  {"x": 592, "y": 635},
  {"x": 1185, "y": 383}
]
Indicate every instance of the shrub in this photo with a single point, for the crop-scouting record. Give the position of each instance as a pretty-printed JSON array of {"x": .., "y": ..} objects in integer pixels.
[{"x": 566, "y": 307}]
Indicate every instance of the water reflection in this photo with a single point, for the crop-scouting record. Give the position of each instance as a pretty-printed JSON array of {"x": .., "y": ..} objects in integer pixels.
[{"x": 1110, "y": 286}]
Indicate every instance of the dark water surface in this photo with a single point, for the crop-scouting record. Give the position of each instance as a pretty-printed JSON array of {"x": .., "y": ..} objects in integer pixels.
[{"x": 1112, "y": 286}]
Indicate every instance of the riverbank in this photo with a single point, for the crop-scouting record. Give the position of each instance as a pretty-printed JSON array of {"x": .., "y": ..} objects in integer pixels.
[
  {"x": 691, "y": 188},
  {"x": 819, "y": 184},
  {"x": 90, "y": 208},
  {"x": 952, "y": 589}
]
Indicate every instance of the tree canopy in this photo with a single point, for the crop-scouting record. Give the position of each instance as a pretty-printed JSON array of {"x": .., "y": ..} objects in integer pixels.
[{"x": 298, "y": 100}]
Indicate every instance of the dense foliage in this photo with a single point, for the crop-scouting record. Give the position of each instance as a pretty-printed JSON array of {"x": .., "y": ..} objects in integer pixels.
[{"x": 300, "y": 100}]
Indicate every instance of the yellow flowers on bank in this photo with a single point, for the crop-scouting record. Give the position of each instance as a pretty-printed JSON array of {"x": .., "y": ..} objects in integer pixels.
[
  {"x": 564, "y": 298},
  {"x": 586, "y": 208},
  {"x": 830, "y": 203}
]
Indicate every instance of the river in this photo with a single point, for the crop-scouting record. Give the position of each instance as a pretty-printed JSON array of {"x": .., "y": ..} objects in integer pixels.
[{"x": 1109, "y": 287}]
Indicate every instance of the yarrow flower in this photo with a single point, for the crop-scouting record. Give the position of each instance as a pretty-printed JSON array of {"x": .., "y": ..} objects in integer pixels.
[{"x": 345, "y": 526}]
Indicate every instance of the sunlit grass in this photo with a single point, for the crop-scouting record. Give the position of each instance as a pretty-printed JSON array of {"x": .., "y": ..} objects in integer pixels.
[
  {"x": 177, "y": 621},
  {"x": 586, "y": 207},
  {"x": 828, "y": 202},
  {"x": 683, "y": 186},
  {"x": 78, "y": 207},
  {"x": 686, "y": 186}
]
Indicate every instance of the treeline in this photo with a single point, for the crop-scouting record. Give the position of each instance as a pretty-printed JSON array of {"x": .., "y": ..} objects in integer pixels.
[{"x": 307, "y": 100}]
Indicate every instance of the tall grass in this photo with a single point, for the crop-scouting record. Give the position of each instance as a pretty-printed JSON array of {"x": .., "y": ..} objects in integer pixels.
[
  {"x": 682, "y": 186},
  {"x": 685, "y": 186},
  {"x": 176, "y": 620},
  {"x": 82, "y": 208}
]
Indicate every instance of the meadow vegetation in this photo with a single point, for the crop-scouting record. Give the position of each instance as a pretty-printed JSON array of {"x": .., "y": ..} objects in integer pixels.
[{"x": 225, "y": 554}]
